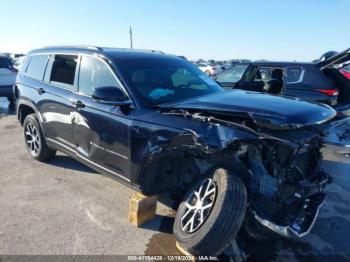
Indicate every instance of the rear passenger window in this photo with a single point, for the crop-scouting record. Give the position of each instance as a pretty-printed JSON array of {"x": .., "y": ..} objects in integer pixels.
[
  {"x": 94, "y": 73},
  {"x": 294, "y": 74},
  {"x": 37, "y": 66},
  {"x": 63, "y": 70}
]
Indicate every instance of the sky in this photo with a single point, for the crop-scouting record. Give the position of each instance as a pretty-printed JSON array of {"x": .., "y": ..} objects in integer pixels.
[{"x": 216, "y": 29}]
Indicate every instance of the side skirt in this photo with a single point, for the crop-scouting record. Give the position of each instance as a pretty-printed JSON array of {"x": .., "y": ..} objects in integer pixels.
[{"x": 98, "y": 168}]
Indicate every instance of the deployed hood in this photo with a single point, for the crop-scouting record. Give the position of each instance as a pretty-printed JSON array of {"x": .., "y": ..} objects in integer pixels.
[{"x": 265, "y": 110}]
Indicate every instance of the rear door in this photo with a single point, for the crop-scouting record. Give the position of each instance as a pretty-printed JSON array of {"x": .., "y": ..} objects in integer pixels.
[
  {"x": 307, "y": 82},
  {"x": 55, "y": 101},
  {"x": 101, "y": 131}
]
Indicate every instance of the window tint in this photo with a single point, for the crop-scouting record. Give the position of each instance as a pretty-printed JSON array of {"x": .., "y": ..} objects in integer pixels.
[
  {"x": 5, "y": 62},
  {"x": 63, "y": 69},
  {"x": 293, "y": 74},
  {"x": 232, "y": 75},
  {"x": 37, "y": 65},
  {"x": 94, "y": 73}
]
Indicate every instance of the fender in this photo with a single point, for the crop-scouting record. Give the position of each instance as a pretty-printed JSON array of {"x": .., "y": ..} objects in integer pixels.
[
  {"x": 30, "y": 104},
  {"x": 185, "y": 149}
]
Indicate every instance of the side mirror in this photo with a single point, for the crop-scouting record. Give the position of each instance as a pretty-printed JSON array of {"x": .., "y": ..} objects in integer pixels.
[{"x": 110, "y": 95}]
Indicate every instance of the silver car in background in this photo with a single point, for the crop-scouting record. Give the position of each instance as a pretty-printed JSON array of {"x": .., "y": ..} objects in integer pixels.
[{"x": 8, "y": 74}]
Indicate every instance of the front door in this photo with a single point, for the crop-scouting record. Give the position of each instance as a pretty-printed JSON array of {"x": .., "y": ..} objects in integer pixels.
[{"x": 101, "y": 132}]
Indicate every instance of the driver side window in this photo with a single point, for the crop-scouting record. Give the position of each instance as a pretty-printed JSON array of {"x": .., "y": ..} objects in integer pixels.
[{"x": 94, "y": 73}]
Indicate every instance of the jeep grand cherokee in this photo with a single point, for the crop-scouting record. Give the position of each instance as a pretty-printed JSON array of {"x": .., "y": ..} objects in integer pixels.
[{"x": 160, "y": 125}]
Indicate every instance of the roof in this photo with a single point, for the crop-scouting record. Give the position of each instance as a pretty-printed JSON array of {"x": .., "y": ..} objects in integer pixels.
[
  {"x": 108, "y": 51},
  {"x": 280, "y": 63}
]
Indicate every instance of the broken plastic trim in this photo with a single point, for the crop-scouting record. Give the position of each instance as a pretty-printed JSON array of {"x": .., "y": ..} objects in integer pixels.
[
  {"x": 338, "y": 136},
  {"x": 288, "y": 231}
]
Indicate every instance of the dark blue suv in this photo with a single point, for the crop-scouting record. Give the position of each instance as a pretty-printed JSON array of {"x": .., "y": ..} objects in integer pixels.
[
  {"x": 326, "y": 80},
  {"x": 158, "y": 124}
]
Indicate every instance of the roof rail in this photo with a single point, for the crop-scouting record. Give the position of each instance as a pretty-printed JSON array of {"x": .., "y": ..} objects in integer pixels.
[{"x": 76, "y": 46}]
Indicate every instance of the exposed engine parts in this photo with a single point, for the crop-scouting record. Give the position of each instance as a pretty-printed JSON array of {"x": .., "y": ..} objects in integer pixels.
[{"x": 280, "y": 169}]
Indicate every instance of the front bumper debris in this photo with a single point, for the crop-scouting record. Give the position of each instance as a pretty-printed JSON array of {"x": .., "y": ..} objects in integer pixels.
[
  {"x": 338, "y": 136},
  {"x": 294, "y": 231}
]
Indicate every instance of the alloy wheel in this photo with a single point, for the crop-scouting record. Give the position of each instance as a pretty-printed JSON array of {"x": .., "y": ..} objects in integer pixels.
[
  {"x": 33, "y": 139},
  {"x": 198, "y": 206}
]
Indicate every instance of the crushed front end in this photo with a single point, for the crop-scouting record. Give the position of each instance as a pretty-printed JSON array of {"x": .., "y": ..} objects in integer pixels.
[
  {"x": 286, "y": 185},
  {"x": 280, "y": 167}
]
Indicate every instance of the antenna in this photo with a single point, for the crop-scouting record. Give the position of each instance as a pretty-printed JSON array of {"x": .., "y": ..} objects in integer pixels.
[{"x": 131, "y": 44}]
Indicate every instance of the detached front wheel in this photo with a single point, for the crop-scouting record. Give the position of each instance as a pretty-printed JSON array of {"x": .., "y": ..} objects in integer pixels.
[{"x": 211, "y": 214}]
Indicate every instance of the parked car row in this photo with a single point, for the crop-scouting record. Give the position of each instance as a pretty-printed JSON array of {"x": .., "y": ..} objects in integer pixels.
[
  {"x": 210, "y": 69},
  {"x": 326, "y": 80},
  {"x": 158, "y": 124}
]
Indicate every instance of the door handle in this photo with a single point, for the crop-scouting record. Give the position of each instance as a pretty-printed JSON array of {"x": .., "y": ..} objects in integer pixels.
[
  {"x": 41, "y": 91},
  {"x": 78, "y": 104}
]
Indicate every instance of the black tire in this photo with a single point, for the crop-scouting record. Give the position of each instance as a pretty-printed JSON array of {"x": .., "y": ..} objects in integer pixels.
[
  {"x": 38, "y": 148},
  {"x": 223, "y": 222}
]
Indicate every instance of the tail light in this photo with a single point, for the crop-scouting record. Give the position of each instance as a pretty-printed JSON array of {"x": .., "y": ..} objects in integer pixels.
[
  {"x": 345, "y": 73},
  {"x": 329, "y": 92}
]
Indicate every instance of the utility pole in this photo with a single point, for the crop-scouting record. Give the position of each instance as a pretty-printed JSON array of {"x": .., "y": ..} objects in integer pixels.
[{"x": 131, "y": 44}]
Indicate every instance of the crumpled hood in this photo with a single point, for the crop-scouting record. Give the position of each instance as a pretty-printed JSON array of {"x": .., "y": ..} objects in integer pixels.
[{"x": 265, "y": 110}]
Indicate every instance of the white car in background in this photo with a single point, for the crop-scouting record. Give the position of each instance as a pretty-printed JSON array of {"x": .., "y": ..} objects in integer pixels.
[
  {"x": 210, "y": 70},
  {"x": 8, "y": 74}
]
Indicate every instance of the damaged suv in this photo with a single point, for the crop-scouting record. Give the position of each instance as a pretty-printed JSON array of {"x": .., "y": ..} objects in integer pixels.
[{"x": 160, "y": 125}]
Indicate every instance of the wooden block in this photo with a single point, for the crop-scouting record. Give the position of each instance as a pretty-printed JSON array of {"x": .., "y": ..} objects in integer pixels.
[
  {"x": 141, "y": 208},
  {"x": 184, "y": 252}
]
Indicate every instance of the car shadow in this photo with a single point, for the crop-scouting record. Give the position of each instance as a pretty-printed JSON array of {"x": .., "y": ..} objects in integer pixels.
[
  {"x": 68, "y": 162},
  {"x": 160, "y": 224}
]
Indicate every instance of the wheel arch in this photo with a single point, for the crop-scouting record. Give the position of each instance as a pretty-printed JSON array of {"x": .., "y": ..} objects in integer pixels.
[
  {"x": 179, "y": 168},
  {"x": 25, "y": 108}
]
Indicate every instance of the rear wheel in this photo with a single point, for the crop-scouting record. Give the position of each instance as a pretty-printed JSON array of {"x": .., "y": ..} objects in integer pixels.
[
  {"x": 35, "y": 141},
  {"x": 211, "y": 214}
]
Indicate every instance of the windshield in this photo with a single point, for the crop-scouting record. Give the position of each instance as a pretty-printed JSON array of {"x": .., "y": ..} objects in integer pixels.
[
  {"x": 160, "y": 80},
  {"x": 232, "y": 75}
]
